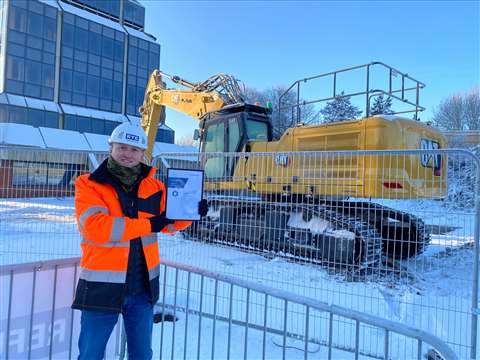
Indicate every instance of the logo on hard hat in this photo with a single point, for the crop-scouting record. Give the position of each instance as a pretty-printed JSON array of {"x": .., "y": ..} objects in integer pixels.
[{"x": 132, "y": 137}]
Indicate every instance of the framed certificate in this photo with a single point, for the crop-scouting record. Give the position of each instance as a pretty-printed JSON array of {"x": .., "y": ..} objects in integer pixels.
[{"x": 184, "y": 192}]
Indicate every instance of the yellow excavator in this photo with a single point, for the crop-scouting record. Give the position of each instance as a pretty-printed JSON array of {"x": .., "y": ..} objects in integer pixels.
[{"x": 279, "y": 196}]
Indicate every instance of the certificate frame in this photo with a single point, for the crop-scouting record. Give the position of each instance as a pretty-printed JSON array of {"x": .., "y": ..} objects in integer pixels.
[{"x": 172, "y": 208}]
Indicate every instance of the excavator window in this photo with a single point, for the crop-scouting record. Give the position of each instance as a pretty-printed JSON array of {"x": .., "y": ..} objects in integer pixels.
[
  {"x": 215, "y": 142},
  {"x": 256, "y": 130},
  {"x": 233, "y": 135}
]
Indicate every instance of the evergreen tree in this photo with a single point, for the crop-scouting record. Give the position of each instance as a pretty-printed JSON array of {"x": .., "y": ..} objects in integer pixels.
[
  {"x": 381, "y": 106},
  {"x": 340, "y": 109}
]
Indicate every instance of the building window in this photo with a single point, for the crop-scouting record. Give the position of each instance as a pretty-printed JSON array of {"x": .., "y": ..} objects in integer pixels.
[
  {"x": 17, "y": 19},
  {"x": 41, "y": 174},
  {"x": 98, "y": 126},
  {"x": 28, "y": 116},
  {"x": 109, "y": 126},
  {"x": 92, "y": 102},
  {"x": 134, "y": 14},
  {"x": 28, "y": 174},
  {"x": 143, "y": 58},
  {"x": 33, "y": 72},
  {"x": 34, "y": 24},
  {"x": 70, "y": 122},
  {"x": 95, "y": 42},
  {"x": 35, "y": 117},
  {"x": 17, "y": 114},
  {"x": 48, "y": 75},
  {"x": 17, "y": 37},
  {"x": 66, "y": 80},
  {"x": 165, "y": 136},
  {"x": 31, "y": 44},
  {"x": 15, "y": 68},
  {"x": 84, "y": 124},
  {"x": 106, "y": 89},
  {"x": 49, "y": 29},
  {"x": 4, "y": 113},
  {"x": 67, "y": 34},
  {"x": 79, "y": 82},
  {"x": 78, "y": 99},
  {"x": 51, "y": 119},
  {"x": 32, "y": 90},
  {"x": 93, "y": 85},
  {"x": 93, "y": 61}
]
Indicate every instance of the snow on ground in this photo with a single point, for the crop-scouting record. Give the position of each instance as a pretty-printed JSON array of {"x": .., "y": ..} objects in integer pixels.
[{"x": 435, "y": 296}]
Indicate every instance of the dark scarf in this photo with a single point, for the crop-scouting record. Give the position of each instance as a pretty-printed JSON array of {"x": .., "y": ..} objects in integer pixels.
[{"x": 127, "y": 176}]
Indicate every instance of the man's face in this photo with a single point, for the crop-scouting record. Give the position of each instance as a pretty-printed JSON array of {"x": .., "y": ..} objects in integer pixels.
[{"x": 126, "y": 155}]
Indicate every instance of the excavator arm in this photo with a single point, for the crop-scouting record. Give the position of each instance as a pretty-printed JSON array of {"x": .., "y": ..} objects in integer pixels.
[{"x": 210, "y": 95}]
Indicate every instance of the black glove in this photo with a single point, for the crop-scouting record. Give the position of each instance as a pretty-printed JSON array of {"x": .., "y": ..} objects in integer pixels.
[
  {"x": 203, "y": 207},
  {"x": 159, "y": 222}
]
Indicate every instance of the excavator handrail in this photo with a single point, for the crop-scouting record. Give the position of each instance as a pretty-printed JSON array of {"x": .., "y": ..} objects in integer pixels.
[{"x": 393, "y": 72}]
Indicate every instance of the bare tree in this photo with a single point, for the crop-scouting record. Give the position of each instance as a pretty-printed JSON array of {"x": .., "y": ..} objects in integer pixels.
[
  {"x": 459, "y": 112},
  {"x": 286, "y": 117},
  {"x": 472, "y": 109}
]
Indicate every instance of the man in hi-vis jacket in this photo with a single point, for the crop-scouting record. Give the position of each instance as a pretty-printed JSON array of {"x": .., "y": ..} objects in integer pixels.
[{"x": 119, "y": 209}]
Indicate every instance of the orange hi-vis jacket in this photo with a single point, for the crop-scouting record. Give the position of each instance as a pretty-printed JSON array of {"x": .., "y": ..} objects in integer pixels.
[{"x": 107, "y": 233}]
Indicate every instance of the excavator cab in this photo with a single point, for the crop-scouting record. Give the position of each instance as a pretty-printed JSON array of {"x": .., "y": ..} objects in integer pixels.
[{"x": 229, "y": 130}]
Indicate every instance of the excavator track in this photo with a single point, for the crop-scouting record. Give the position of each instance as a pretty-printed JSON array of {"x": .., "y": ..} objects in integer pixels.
[
  {"x": 256, "y": 226},
  {"x": 404, "y": 235}
]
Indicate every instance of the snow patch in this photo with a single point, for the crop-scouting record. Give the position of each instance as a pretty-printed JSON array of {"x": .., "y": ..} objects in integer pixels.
[
  {"x": 20, "y": 134},
  {"x": 63, "y": 139}
]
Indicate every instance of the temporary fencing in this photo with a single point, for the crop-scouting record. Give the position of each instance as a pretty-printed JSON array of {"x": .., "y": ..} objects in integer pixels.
[
  {"x": 219, "y": 317},
  {"x": 389, "y": 233}
]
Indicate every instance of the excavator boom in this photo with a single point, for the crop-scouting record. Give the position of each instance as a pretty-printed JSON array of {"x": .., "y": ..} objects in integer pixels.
[{"x": 201, "y": 98}]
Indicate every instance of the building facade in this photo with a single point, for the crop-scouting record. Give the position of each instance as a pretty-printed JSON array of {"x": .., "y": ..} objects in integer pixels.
[{"x": 79, "y": 65}]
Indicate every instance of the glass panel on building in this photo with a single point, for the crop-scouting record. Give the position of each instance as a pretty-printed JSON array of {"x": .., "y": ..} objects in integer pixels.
[
  {"x": 141, "y": 63},
  {"x": 51, "y": 119},
  {"x": 32, "y": 31},
  {"x": 94, "y": 53},
  {"x": 4, "y": 113},
  {"x": 70, "y": 122}
]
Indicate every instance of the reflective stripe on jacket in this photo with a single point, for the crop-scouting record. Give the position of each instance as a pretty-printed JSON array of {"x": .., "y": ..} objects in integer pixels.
[{"x": 106, "y": 234}]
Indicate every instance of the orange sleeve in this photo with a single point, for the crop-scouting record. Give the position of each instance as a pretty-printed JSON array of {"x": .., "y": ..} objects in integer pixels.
[{"x": 95, "y": 222}]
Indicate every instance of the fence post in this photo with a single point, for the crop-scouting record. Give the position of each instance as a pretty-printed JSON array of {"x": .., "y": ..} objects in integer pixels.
[{"x": 476, "y": 238}]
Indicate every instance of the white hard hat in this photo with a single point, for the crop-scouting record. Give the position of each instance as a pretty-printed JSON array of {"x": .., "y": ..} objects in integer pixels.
[{"x": 129, "y": 134}]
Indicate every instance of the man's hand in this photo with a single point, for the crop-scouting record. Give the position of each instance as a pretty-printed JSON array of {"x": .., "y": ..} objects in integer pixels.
[
  {"x": 159, "y": 222},
  {"x": 203, "y": 207}
]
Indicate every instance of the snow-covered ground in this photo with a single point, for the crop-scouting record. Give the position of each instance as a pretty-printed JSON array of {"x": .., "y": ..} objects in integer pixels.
[{"x": 434, "y": 296}]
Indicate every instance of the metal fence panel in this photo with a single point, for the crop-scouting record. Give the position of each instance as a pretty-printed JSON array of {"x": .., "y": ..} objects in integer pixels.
[
  {"x": 218, "y": 317},
  {"x": 37, "y": 218},
  {"x": 36, "y": 321},
  {"x": 299, "y": 217},
  {"x": 418, "y": 209},
  {"x": 265, "y": 323}
]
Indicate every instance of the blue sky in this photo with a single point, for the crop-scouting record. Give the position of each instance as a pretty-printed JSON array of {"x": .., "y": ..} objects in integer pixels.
[{"x": 269, "y": 43}]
